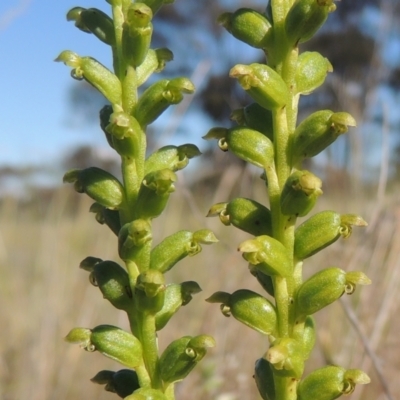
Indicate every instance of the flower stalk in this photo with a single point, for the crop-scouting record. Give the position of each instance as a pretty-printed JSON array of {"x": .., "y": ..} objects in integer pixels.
[
  {"x": 129, "y": 206},
  {"x": 276, "y": 255}
]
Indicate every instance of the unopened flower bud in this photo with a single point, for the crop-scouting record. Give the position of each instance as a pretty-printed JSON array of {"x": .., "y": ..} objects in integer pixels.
[
  {"x": 245, "y": 143},
  {"x": 318, "y": 131},
  {"x": 94, "y": 21},
  {"x": 178, "y": 246},
  {"x": 182, "y": 355},
  {"x": 245, "y": 214},
  {"x": 113, "y": 281},
  {"x": 325, "y": 287},
  {"x": 133, "y": 237},
  {"x": 267, "y": 255},
  {"x": 95, "y": 73},
  {"x": 286, "y": 357},
  {"x": 154, "y": 193},
  {"x": 321, "y": 230},
  {"x": 150, "y": 292},
  {"x": 137, "y": 32},
  {"x": 255, "y": 117},
  {"x": 300, "y": 193},
  {"x": 98, "y": 184},
  {"x": 312, "y": 69},
  {"x": 305, "y": 17},
  {"x": 159, "y": 96},
  {"x": 263, "y": 84},
  {"x": 264, "y": 378},
  {"x": 123, "y": 382},
  {"x": 329, "y": 383},
  {"x": 171, "y": 157},
  {"x": 249, "y": 26},
  {"x": 117, "y": 344},
  {"x": 249, "y": 308},
  {"x": 154, "y": 61},
  {"x": 176, "y": 295}
]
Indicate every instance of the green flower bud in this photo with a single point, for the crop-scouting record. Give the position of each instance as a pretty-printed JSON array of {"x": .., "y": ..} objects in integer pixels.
[
  {"x": 154, "y": 61},
  {"x": 125, "y": 133},
  {"x": 95, "y": 73},
  {"x": 329, "y": 383},
  {"x": 311, "y": 71},
  {"x": 147, "y": 394},
  {"x": 178, "y": 246},
  {"x": 105, "y": 114},
  {"x": 176, "y": 295},
  {"x": 154, "y": 193},
  {"x": 74, "y": 14},
  {"x": 182, "y": 355},
  {"x": 94, "y": 21},
  {"x": 305, "y": 17},
  {"x": 105, "y": 216},
  {"x": 325, "y": 287},
  {"x": 321, "y": 230},
  {"x": 89, "y": 263},
  {"x": 318, "y": 131},
  {"x": 264, "y": 378},
  {"x": 264, "y": 280},
  {"x": 268, "y": 255},
  {"x": 171, "y": 157},
  {"x": 245, "y": 143},
  {"x": 309, "y": 336},
  {"x": 263, "y": 84},
  {"x": 113, "y": 281},
  {"x": 137, "y": 32},
  {"x": 249, "y": 308},
  {"x": 150, "y": 292},
  {"x": 121, "y": 125},
  {"x": 249, "y": 216},
  {"x": 249, "y": 26},
  {"x": 159, "y": 96},
  {"x": 80, "y": 336},
  {"x": 117, "y": 344},
  {"x": 300, "y": 193},
  {"x": 155, "y": 5},
  {"x": 98, "y": 184},
  {"x": 123, "y": 382},
  {"x": 133, "y": 237},
  {"x": 255, "y": 117},
  {"x": 136, "y": 233},
  {"x": 286, "y": 358}
]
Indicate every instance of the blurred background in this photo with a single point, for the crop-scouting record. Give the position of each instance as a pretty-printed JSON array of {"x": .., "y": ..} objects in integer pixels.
[{"x": 50, "y": 124}]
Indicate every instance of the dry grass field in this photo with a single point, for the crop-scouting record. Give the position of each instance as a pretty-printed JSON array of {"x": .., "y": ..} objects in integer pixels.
[{"x": 44, "y": 294}]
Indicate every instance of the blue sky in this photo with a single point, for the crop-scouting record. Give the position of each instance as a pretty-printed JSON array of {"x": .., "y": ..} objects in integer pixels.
[{"x": 34, "y": 88}]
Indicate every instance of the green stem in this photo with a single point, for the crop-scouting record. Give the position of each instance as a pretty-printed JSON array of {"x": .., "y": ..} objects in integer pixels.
[
  {"x": 118, "y": 18},
  {"x": 284, "y": 61},
  {"x": 282, "y": 304},
  {"x": 148, "y": 339}
]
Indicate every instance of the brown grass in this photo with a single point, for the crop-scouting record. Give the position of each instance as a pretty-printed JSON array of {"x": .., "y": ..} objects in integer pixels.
[{"x": 44, "y": 294}]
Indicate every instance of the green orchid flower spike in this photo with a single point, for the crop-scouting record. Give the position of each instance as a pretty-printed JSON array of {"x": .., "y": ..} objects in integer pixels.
[
  {"x": 136, "y": 284},
  {"x": 269, "y": 137}
]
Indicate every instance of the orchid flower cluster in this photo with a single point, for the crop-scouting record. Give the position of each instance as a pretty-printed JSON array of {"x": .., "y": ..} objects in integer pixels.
[
  {"x": 136, "y": 284},
  {"x": 268, "y": 136}
]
